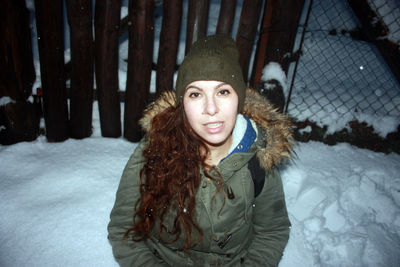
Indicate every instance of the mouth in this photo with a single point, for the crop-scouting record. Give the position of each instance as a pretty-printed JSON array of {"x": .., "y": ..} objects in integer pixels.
[{"x": 213, "y": 125}]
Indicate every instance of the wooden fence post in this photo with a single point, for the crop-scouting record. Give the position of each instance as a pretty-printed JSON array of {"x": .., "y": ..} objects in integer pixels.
[
  {"x": 281, "y": 32},
  {"x": 246, "y": 32},
  {"x": 196, "y": 22},
  {"x": 262, "y": 46},
  {"x": 49, "y": 22},
  {"x": 107, "y": 26},
  {"x": 169, "y": 43},
  {"x": 226, "y": 16},
  {"x": 18, "y": 119},
  {"x": 81, "y": 105},
  {"x": 278, "y": 33},
  {"x": 140, "y": 58}
]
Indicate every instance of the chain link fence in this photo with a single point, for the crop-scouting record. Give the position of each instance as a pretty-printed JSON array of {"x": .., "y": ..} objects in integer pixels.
[{"x": 340, "y": 77}]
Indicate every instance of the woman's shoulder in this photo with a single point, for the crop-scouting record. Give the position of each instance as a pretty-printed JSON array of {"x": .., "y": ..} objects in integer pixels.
[
  {"x": 137, "y": 155},
  {"x": 274, "y": 130}
]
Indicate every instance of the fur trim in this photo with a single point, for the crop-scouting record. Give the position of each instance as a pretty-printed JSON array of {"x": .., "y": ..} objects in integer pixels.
[
  {"x": 166, "y": 100},
  {"x": 279, "y": 140}
]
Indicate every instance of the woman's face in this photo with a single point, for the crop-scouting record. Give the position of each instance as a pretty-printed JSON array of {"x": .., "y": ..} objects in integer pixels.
[{"x": 211, "y": 108}]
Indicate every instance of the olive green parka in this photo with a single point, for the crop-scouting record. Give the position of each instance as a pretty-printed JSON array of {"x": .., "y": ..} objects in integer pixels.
[{"x": 246, "y": 231}]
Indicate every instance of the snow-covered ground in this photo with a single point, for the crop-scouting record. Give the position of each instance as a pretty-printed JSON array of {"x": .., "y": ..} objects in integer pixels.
[{"x": 55, "y": 200}]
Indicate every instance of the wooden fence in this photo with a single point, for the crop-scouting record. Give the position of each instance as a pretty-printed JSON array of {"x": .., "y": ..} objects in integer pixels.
[{"x": 19, "y": 117}]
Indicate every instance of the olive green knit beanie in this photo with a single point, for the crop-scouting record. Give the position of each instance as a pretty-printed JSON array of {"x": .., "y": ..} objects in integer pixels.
[{"x": 212, "y": 58}]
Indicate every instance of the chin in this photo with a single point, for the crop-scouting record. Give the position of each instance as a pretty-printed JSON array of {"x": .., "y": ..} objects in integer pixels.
[{"x": 216, "y": 141}]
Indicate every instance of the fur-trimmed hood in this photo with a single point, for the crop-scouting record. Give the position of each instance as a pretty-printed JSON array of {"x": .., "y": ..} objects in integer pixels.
[{"x": 277, "y": 126}]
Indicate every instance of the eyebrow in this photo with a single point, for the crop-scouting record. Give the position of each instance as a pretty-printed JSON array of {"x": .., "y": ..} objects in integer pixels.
[
  {"x": 198, "y": 88},
  {"x": 193, "y": 87},
  {"x": 221, "y": 84}
]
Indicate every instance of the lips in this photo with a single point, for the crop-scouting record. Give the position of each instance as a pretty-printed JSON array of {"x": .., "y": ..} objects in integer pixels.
[{"x": 214, "y": 127}]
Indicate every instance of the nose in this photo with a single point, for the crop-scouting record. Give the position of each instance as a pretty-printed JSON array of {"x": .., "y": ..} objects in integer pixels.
[{"x": 211, "y": 106}]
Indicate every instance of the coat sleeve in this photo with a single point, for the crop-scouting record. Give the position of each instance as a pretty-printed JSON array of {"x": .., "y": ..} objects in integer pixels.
[
  {"x": 271, "y": 225},
  {"x": 128, "y": 252}
]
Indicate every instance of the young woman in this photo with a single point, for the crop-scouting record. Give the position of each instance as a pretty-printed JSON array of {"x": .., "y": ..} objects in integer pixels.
[{"x": 203, "y": 188}]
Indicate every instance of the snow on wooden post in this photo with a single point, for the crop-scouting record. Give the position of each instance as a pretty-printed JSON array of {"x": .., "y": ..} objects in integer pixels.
[
  {"x": 107, "y": 22},
  {"x": 81, "y": 94},
  {"x": 140, "y": 57},
  {"x": 49, "y": 23},
  {"x": 246, "y": 32},
  {"x": 197, "y": 22},
  {"x": 226, "y": 16},
  {"x": 18, "y": 119},
  {"x": 169, "y": 43}
]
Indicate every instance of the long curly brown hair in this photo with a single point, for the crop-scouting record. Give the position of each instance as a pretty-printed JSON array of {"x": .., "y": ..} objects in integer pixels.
[{"x": 170, "y": 178}]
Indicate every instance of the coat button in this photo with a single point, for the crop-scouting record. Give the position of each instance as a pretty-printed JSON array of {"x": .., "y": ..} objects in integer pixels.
[
  {"x": 235, "y": 164},
  {"x": 204, "y": 185}
]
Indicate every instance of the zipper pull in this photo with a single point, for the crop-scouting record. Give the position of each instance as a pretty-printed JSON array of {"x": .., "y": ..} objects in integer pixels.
[
  {"x": 230, "y": 193},
  {"x": 222, "y": 244}
]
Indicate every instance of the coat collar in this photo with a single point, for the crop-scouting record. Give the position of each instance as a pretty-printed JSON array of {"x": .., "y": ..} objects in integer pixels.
[{"x": 276, "y": 137}]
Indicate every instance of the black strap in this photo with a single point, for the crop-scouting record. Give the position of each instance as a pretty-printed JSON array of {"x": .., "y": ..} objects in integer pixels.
[{"x": 257, "y": 174}]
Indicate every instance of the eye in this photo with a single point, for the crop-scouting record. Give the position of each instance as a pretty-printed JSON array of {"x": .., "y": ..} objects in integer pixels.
[
  {"x": 194, "y": 95},
  {"x": 224, "y": 92}
]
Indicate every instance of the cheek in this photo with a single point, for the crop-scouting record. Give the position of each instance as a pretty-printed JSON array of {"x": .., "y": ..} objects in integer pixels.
[
  {"x": 191, "y": 113},
  {"x": 232, "y": 108},
  {"x": 231, "y": 112}
]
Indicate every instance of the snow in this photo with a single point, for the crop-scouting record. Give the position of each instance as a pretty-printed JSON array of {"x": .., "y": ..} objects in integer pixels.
[
  {"x": 343, "y": 202},
  {"x": 273, "y": 71},
  {"x": 344, "y": 206},
  {"x": 307, "y": 129},
  {"x": 5, "y": 100},
  {"x": 55, "y": 199}
]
